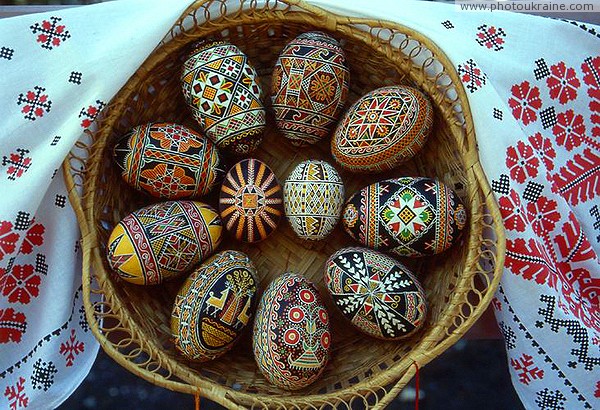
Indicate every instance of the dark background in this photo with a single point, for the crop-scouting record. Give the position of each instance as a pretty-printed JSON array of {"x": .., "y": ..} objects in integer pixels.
[{"x": 472, "y": 374}]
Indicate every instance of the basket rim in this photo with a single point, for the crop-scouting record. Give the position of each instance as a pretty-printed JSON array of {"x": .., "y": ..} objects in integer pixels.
[{"x": 218, "y": 392}]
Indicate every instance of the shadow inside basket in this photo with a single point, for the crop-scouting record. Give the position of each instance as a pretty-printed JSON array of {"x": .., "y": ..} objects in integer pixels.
[{"x": 155, "y": 95}]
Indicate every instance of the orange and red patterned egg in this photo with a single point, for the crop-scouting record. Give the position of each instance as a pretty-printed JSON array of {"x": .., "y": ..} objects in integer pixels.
[
  {"x": 251, "y": 201},
  {"x": 382, "y": 129},
  {"x": 168, "y": 160},
  {"x": 292, "y": 338},
  {"x": 221, "y": 87},
  {"x": 214, "y": 305},
  {"x": 406, "y": 216},
  {"x": 163, "y": 241},
  {"x": 309, "y": 87},
  {"x": 378, "y": 294}
]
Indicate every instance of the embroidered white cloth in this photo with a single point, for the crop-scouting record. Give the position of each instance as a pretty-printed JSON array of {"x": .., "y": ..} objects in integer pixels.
[{"x": 534, "y": 88}]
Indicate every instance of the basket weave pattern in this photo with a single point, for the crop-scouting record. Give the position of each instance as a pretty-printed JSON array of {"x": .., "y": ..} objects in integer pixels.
[{"x": 132, "y": 322}]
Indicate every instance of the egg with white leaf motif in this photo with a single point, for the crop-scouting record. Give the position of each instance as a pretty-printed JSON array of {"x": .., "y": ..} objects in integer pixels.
[{"x": 376, "y": 293}]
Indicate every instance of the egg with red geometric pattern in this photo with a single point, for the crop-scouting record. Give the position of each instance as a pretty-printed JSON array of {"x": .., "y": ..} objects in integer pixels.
[
  {"x": 292, "y": 338},
  {"x": 168, "y": 160}
]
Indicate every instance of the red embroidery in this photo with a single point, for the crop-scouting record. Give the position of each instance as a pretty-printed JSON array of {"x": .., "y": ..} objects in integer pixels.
[
  {"x": 544, "y": 149},
  {"x": 531, "y": 261},
  {"x": 496, "y": 304},
  {"x": 597, "y": 392},
  {"x": 8, "y": 239},
  {"x": 90, "y": 113},
  {"x": 491, "y": 37},
  {"x": 521, "y": 162},
  {"x": 71, "y": 348},
  {"x": 591, "y": 70},
  {"x": 525, "y": 102},
  {"x": 471, "y": 75},
  {"x": 526, "y": 370},
  {"x": 18, "y": 163},
  {"x": 33, "y": 237},
  {"x": 51, "y": 34},
  {"x": 569, "y": 130},
  {"x": 573, "y": 245},
  {"x": 543, "y": 216},
  {"x": 35, "y": 103},
  {"x": 21, "y": 284},
  {"x": 579, "y": 179},
  {"x": 512, "y": 212},
  {"x": 16, "y": 395},
  {"x": 563, "y": 83},
  {"x": 12, "y": 325}
]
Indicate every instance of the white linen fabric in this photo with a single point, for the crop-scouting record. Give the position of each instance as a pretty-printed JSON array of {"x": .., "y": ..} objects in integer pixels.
[
  {"x": 534, "y": 88},
  {"x": 58, "y": 70}
]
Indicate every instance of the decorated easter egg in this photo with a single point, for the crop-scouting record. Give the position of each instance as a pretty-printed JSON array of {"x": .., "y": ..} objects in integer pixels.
[
  {"x": 378, "y": 294},
  {"x": 214, "y": 305},
  {"x": 291, "y": 338},
  {"x": 163, "y": 240},
  {"x": 251, "y": 201},
  {"x": 168, "y": 160},
  {"x": 313, "y": 196},
  {"x": 221, "y": 88},
  {"x": 309, "y": 87},
  {"x": 382, "y": 129},
  {"x": 406, "y": 216}
]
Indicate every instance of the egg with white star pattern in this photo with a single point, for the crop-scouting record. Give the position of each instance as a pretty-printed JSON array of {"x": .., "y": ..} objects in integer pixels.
[{"x": 376, "y": 293}]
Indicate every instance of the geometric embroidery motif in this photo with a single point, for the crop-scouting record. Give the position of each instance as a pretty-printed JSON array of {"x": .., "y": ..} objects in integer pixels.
[
  {"x": 50, "y": 33},
  {"x": 43, "y": 375},
  {"x": 491, "y": 37},
  {"x": 6, "y": 53},
  {"x": 18, "y": 163},
  {"x": 34, "y": 103},
  {"x": 548, "y": 117},
  {"x": 90, "y": 113},
  {"x": 448, "y": 24},
  {"x": 541, "y": 70},
  {"x": 471, "y": 75},
  {"x": 75, "y": 77}
]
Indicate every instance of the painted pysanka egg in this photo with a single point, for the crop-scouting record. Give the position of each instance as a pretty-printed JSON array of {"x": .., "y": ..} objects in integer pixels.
[
  {"x": 214, "y": 305},
  {"x": 406, "y": 216},
  {"x": 313, "y": 196},
  {"x": 291, "y": 338},
  {"x": 382, "y": 129},
  {"x": 168, "y": 160},
  {"x": 221, "y": 88},
  {"x": 251, "y": 201},
  {"x": 309, "y": 87},
  {"x": 162, "y": 241},
  {"x": 378, "y": 294}
]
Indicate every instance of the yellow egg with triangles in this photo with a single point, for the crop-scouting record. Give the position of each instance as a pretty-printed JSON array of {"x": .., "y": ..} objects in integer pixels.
[{"x": 163, "y": 241}]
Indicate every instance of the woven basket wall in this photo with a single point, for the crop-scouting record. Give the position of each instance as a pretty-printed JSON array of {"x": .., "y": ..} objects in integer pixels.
[{"x": 132, "y": 322}]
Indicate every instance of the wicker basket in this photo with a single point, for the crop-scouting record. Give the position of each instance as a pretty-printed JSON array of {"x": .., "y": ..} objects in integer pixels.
[{"x": 132, "y": 322}]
